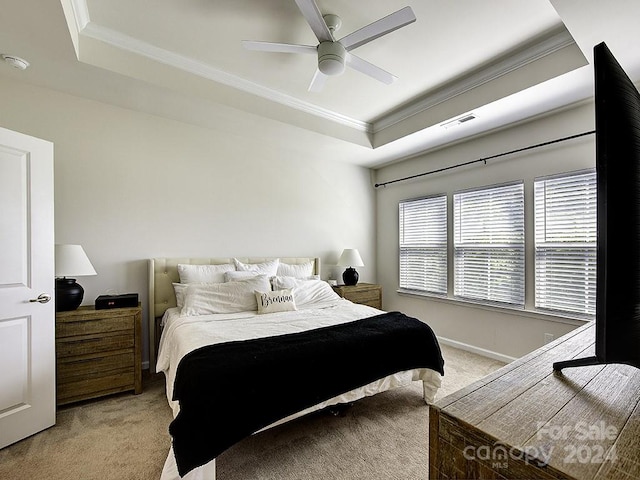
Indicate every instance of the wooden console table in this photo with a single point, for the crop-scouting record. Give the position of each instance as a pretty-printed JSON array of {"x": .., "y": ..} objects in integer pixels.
[{"x": 525, "y": 421}]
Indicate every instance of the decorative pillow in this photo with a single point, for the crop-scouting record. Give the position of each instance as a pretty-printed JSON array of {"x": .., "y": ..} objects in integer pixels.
[
  {"x": 203, "y": 273},
  {"x": 300, "y": 270},
  {"x": 267, "y": 268},
  {"x": 278, "y": 301},
  {"x": 230, "y": 297},
  {"x": 308, "y": 293}
]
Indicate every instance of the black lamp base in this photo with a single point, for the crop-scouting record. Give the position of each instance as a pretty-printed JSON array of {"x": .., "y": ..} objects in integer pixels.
[
  {"x": 350, "y": 276},
  {"x": 69, "y": 294}
]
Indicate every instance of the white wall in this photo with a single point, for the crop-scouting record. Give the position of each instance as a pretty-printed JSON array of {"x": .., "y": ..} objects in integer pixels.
[
  {"x": 130, "y": 186},
  {"x": 500, "y": 331}
]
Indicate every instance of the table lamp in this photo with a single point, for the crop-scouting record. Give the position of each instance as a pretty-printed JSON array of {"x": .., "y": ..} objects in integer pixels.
[
  {"x": 71, "y": 261},
  {"x": 350, "y": 258}
]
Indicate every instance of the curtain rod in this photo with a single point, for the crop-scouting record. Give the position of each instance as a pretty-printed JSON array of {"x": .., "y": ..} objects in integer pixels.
[{"x": 530, "y": 147}]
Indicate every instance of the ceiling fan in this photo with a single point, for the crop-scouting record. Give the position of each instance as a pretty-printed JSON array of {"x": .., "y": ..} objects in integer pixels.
[{"x": 334, "y": 54}]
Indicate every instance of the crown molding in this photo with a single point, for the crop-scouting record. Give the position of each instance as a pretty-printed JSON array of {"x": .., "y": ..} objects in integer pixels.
[
  {"x": 116, "y": 39},
  {"x": 547, "y": 46},
  {"x": 80, "y": 13}
]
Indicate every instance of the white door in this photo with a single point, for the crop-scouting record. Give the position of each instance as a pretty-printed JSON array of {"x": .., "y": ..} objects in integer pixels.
[{"x": 27, "y": 318}]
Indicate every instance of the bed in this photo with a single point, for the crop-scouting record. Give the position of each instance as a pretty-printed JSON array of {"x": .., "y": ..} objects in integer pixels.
[{"x": 218, "y": 338}]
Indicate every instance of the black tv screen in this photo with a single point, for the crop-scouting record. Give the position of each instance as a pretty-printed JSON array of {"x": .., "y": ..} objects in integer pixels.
[{"x": 617, "y": 107}]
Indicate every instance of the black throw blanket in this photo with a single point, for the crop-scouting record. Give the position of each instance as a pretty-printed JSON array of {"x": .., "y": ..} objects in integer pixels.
[{"x": 229, "y": 391}]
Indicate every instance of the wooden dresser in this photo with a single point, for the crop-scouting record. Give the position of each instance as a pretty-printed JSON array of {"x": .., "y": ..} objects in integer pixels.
[
  {"x": 525, "y": 421},
  {"x": 364, "y": 293},
  {"x": 98, "y": 352}
]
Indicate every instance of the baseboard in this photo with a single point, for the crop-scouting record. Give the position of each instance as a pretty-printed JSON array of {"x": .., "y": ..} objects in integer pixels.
[{"x": 477, "y": 350}]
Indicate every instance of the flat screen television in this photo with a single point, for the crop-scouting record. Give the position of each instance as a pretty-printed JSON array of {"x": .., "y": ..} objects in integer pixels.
[{"x": 617, "y": 107}]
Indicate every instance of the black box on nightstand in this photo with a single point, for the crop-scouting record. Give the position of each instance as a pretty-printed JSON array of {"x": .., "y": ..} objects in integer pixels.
[{"x": 117, "y": 301}]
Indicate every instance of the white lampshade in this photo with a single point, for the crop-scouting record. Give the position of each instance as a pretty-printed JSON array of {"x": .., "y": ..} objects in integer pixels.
[
  {"x": 71, "y": 261},
  {"x": 350, "y": 258}
]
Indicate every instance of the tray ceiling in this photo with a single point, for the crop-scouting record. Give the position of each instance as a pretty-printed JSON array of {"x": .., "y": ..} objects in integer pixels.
[{"x": 500, "y": 60}]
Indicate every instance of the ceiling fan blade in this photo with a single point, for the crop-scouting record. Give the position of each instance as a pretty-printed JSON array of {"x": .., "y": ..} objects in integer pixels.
[
  {"x": 312, "y": 14},
  {"x": 381, "y": 27},
  {"x": 318, "y": 81},
  {"x": 370, "y": 69},
  {"x": 278, "y": 47}
]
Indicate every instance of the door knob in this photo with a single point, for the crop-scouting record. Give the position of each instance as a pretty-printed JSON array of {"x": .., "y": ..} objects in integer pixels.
[{"x": 42, "y": 298}]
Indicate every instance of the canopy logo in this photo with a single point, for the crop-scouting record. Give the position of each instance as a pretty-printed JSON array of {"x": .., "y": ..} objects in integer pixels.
[{"x": 498, "y": 455}]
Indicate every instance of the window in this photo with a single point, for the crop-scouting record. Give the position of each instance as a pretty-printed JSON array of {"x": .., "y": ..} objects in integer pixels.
[
  {"x": 488, "y": 244},
  {"x": 565, "y": 239},
  {"x": 423, "y": 244}
]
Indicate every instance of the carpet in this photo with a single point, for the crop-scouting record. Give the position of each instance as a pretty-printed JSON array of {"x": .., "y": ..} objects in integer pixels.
[{"x": 125, "y": 437}]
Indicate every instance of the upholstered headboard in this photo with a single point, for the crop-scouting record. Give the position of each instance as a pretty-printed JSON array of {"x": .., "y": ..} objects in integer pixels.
[{"x": 163, "y": 272}]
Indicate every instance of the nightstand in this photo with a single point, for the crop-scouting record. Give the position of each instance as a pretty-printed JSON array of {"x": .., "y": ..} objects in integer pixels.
[
  {"x": 98, "y": 352},
  {"x": 364, "y": 293}
]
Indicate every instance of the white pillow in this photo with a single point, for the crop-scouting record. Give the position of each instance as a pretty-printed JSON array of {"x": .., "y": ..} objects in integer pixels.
[
  {"x": 179, "y": 289},
  {"x": 279, "y": 301},
  {"x": 235, "y": 275},
  {"x": 203, "y": 273},
  {"x": 280, "y": 281},
  {"x": 267, "y": 268},
  {"x": 300, "y": 270},
  {"x": 308, "y": 293},
  {"x": 230, "y": 297}
]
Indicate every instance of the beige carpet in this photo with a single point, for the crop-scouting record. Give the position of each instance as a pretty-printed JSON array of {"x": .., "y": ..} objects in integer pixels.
[{"x": 125, "y": 437}]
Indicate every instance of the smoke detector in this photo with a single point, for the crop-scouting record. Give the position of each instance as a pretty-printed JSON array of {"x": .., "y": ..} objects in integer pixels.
[{"x": 15, "y": 62}]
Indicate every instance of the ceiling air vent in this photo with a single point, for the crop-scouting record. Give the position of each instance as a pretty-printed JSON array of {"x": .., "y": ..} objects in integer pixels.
[{"x": 457, "y": 121}]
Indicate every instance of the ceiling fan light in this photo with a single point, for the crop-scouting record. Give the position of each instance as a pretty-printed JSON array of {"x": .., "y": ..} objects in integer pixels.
[{"x": 331, "y": 58}]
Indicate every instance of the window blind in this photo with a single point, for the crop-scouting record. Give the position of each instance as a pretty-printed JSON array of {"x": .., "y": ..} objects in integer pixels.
[
  {"x": 566, "y": 242},
  {"x": 423, "y": 244},
  {"x": 489, "y": 244}
]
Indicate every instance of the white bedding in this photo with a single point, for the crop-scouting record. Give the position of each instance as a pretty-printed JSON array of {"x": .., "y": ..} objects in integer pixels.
[{"x": 184, "y": 334}]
